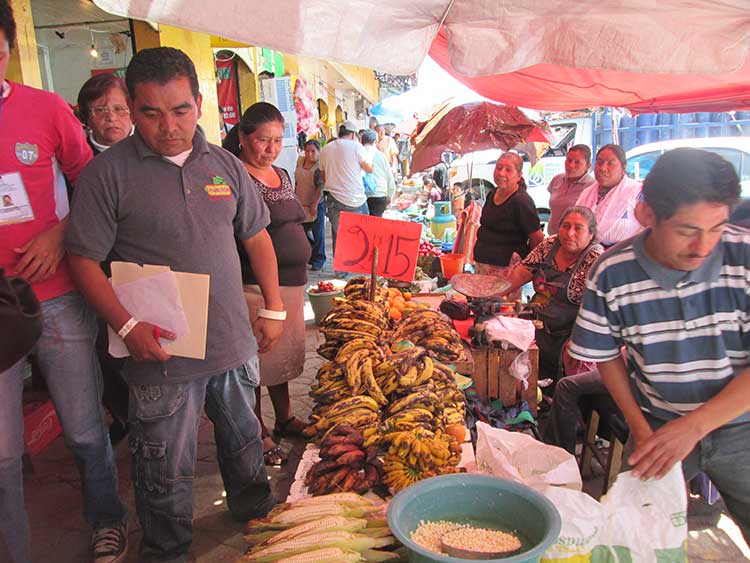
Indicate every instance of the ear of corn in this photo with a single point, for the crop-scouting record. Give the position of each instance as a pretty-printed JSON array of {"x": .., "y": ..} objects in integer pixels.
[
  {"x": 343, "y": 540},
  {"x": 327, "y": 524},
  {"x": 351, "y": 500},
  {"x": 326, "y": 555},
  {"x": 308, "y": 513}
]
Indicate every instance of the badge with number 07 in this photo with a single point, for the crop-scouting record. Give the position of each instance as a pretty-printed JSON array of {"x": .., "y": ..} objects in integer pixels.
[{"x": 397, "y": 243}]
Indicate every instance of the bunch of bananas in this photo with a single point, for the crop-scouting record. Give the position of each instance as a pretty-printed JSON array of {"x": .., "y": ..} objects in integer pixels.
[
  {"x": 351, "y": 372},
  {"x": 416, "y": 455},
  {"x": 345, "y": 464},
  {"x": 428, "y": 329},
  {"x": 358, "y": 411},
  {"x": 417, "y": 410},
  {"x": 331, "y": 385},
  {"x": 351, "y": 320},
  {"x": 359, "y": 288},
  {"x": 451, "y": 397},
  {"x": 404, "y": 370}
]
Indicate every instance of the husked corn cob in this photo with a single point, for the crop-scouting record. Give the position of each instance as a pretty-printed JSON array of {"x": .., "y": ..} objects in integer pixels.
[
  {"x": 343, "y": 540},
  {"x": 288, "y": 517},
  {"x": 346, "y": 499},
  {"x": 326, "y": 555},
  {"x": 327, "y": 524}
]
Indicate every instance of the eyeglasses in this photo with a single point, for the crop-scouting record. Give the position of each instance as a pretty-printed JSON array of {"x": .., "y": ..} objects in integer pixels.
[{"x": 119, "y": 111}]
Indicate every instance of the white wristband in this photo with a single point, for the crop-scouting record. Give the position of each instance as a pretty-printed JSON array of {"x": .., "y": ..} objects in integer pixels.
[
  {"x": 273, "y": 315},
  {"x": 127, "y": 327}
]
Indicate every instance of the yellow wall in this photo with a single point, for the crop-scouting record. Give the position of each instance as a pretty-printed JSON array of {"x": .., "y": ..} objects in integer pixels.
[
  {"x": 145, "y": 36},
  {"x": 197, "y": 46},
  {"x": 362, "y": 78},
  {"x": 291, "y": 64},
  {"x": 248, "y": 91},
  {"x": 23, "y": 66}
]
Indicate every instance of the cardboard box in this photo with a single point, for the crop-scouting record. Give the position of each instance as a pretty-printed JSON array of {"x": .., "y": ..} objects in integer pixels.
[{"x": 41, "y": 425}]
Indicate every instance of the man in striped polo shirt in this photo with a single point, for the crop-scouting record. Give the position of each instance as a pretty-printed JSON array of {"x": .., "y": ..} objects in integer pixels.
[{"x": 677, "y": 296}]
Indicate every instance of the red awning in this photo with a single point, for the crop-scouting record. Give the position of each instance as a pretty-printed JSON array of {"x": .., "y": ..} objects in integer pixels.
[{"x": 559, "y": 88}]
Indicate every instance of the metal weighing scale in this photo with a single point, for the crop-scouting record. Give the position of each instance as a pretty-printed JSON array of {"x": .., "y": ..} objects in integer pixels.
[{"x": 482, "y": 296}]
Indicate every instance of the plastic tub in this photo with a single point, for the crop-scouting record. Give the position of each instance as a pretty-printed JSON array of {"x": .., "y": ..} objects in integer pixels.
[
  {"x": 480, "y": 500},
  {"x": 452, "y": 264},
  {"x": 322, "y": 303}
]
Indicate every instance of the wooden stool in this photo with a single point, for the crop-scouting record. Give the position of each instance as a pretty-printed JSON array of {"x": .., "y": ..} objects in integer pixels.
[{"x": 603, "y": 408}]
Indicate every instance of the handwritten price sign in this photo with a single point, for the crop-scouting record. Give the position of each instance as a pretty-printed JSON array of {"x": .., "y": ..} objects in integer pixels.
[{"x": 397, "y": 243}]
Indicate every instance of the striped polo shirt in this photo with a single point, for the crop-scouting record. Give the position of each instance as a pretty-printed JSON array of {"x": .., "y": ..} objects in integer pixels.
[{"x": 687, "y": 334}]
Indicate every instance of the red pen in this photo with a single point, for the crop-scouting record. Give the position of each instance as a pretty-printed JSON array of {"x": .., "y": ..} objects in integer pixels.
[{"x": 157, "y": 335}]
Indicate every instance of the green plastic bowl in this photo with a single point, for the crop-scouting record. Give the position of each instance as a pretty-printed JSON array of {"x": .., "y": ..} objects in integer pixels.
[{"x": 480, "y": 500}]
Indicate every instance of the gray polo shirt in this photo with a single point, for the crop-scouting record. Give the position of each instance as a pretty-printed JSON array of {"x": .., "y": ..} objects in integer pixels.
[{"x": 134, "y": 205}]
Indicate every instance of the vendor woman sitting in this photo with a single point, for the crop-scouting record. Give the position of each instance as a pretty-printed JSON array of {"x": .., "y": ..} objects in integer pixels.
[{"x": 558, "y": 268}]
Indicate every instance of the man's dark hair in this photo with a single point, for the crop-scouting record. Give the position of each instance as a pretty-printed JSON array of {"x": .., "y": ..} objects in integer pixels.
[
  {"x": 618, "y": 151},
  {"x": 583, "y": 149},
  {"x": 160, "y": 65},
  {"x": 94, "y": 88},
  {"x": 687, "y": 176},
  {"x": 7, "y": 23}
]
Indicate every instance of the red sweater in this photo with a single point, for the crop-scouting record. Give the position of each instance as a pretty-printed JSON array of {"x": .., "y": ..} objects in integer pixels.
[{"x": 53, "y": 143}]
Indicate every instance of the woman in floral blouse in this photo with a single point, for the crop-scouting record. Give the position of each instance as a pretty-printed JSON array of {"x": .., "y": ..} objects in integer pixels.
[{"x": 558, "y": 268}]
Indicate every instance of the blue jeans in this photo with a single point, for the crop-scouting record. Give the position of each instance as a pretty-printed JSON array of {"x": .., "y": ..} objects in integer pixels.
[
  {"x": 723, "y": 455},
  {"x": 334, "y": 209},
  {"x": 316, "y": 234},
  {"x": 69, "y": 364},
  {"x": 163, "y": 435},
  {"x": 562, "y": 425}
]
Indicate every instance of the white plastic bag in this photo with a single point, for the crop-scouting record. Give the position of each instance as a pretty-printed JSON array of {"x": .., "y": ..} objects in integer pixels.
[
  {"x": 636, "y": 522},
  {"x": 519, "y": 457},
  {"x": 517, "y": 332},
  {"x": 520, "y": 368}
]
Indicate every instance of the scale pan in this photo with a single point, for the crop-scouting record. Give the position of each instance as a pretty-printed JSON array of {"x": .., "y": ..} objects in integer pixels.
[{"x": 478, "y": 285}]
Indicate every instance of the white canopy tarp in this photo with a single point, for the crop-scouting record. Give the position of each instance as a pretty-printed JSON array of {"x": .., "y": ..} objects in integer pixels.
[{"x": 484, "y": 36}]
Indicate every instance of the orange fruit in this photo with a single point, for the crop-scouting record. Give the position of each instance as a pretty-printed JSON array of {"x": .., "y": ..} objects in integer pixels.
[
  {"x": 406, "y": 295},
  {"x": 395, "y": 313},
  {"x": 457, "y": 430}
]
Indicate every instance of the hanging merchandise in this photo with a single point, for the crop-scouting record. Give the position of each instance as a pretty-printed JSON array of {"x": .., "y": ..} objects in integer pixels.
[
  {"x": 226, "y": 89},
  {"x": 304, "y": 105}
]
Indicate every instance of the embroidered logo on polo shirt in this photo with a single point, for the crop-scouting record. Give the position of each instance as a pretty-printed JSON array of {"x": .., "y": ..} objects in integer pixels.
[
  {"x": 219, "y": 189},
  {"x": 27, "y": 152}
]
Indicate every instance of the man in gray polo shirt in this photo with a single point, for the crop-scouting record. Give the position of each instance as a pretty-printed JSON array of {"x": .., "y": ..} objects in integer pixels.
[
  {"x": 166, "y": 196},
  {"x": 676, "y": 296}
]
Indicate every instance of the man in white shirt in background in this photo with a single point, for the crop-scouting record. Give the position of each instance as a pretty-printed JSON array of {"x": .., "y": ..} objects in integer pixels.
[{"x": 342, "y": 163}]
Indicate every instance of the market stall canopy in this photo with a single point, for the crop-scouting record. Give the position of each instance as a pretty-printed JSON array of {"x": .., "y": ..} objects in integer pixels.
[
  {"x": 463, "y": 128},
  {"x": 561, "y": 88},
  {"x": 706, "y": 40}
]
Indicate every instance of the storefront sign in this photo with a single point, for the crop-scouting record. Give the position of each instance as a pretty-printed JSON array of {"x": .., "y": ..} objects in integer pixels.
[
  {"x": 226, "y": 89},
  {"x": 397, "y": 243}
]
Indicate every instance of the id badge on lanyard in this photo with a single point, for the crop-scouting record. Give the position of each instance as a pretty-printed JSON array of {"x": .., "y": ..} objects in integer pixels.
[{"x": 14, "y": 200}]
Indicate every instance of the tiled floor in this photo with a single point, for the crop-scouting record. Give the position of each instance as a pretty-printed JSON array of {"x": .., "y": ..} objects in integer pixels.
[{"x": 61, "y": 536}]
